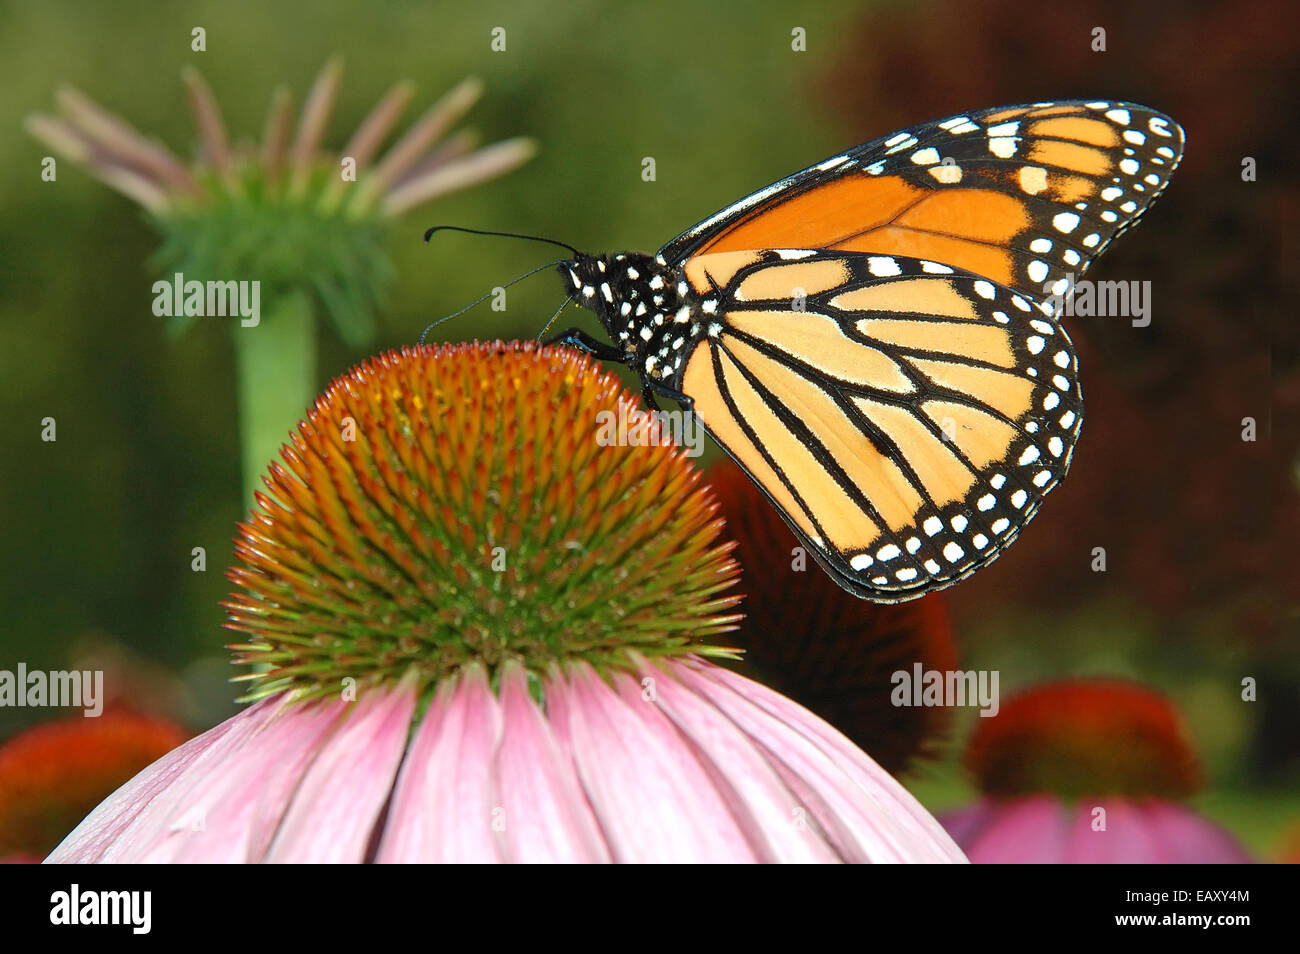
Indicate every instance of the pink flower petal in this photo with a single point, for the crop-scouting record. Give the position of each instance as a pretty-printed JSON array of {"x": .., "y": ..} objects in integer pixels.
[
  {"x": 697, "y": 766},
  {"x": 866, "y": 814},
  {"x": 547, "y": 816},
  {"x": 1025, "y": 831},
  {"x": 654, "y": 800},
  {"x": 768, "y": 811},
  {"x": 1040, "y": 830},
  {"x": 444, "y": 805},
  {"x": 1192, "y": 839},
  {"x": 343, "y": 794},
  {"x": 227, "y": 810},
  {"x": 101, "y": 830},
  {"x": 1125, "y": 840}
]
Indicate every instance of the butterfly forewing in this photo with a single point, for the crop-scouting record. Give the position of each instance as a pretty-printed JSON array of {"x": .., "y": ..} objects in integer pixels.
[
  {"x": 1025, "y": 196},
  {"x": 905, "y": 416}
]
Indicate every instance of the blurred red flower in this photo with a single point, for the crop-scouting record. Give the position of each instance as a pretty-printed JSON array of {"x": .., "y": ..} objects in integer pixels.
[
  {"x": 1086, "y": 771},
  {"x": 53, "y": 774}
]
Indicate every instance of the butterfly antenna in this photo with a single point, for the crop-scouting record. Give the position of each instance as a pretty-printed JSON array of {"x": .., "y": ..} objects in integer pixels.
[
  {"x": 485, "y": 297},
  {"x": 530, "y": 238},
  {"x": 553, "y": 317}
]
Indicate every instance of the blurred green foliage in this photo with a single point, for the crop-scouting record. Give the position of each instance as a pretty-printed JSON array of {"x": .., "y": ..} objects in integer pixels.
[{"x": 98, "y": 527}]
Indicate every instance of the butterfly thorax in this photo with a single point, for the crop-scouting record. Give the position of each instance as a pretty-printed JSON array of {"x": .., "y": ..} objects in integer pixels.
[{"x": 645, "y": 306}]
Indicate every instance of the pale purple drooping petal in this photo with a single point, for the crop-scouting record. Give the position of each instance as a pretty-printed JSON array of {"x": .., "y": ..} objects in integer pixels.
[
  {"x": 866, "y": 814},
  {"x": 1044, "y": 829},
  {"x": 444, "y": 806},
  {"x": 1189, "y": 838},
  {"x": 229, "y": 811},
  {"x": 677, "y": 761},
  {"x": 329, "y": 822},
  {"x": 103, "y": 829},
  {"x": 768, "y": 811},
  {"x": 547, "y": 815},
  {"x": 654, "y": 800}
]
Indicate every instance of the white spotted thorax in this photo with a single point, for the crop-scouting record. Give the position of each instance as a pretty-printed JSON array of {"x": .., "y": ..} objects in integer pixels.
[{"x": 645, "y": 307}]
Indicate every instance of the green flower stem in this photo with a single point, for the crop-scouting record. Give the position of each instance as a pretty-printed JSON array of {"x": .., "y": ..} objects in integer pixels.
[{"x": 275, "y": 365}]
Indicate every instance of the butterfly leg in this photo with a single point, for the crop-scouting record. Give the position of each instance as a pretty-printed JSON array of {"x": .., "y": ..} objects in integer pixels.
[
  {"x": 581, "y": 341},
  {"x": 651, "y": 387}
]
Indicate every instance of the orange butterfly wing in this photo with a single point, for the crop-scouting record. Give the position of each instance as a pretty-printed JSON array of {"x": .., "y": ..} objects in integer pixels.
[
  {"x": 1026, "y": 196},
  {"x": 905, "y": 418}
]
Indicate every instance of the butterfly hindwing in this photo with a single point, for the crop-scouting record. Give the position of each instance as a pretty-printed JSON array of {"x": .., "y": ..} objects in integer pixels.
[
  {"x": 906, "y": 417},
  {"x": 1025, "y": 196}
]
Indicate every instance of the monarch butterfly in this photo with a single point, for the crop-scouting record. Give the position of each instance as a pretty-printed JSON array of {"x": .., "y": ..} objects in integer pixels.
[{"x": 875, "y": 339}]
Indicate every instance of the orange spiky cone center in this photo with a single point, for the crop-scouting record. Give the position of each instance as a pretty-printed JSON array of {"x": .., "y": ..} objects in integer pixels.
[{"x": 454, "y": 504}]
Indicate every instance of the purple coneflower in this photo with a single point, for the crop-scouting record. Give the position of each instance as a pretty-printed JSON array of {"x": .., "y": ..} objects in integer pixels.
[
  {"x": 1088, "y": 771},
  {"x": 480, "y": 635}
]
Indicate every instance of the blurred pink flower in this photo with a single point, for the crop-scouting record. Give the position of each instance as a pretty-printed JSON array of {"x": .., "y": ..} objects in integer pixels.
[
  {"x": 687, "y": 763},
  {"x": 1044, "y": 830},
  {"x": 1086, "y": 771}
]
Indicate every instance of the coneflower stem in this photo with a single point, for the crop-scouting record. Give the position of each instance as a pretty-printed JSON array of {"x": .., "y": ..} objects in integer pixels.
[{"x": 275, "y": 367}]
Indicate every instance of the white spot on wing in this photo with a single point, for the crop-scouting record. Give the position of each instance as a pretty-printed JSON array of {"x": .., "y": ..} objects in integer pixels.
[
  {"x": 1033, "y": 179},
  {"x": 1002, "y": 146},
  {"x": 1065, "y": 222}
]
